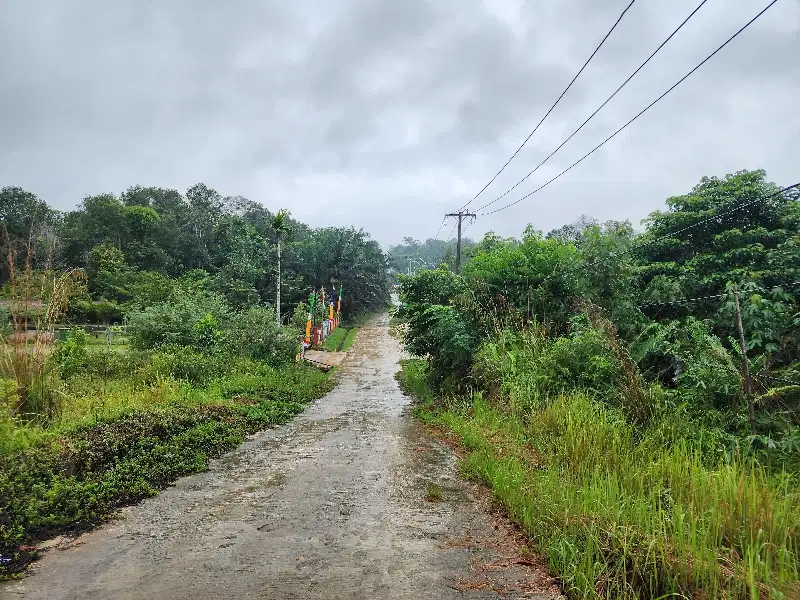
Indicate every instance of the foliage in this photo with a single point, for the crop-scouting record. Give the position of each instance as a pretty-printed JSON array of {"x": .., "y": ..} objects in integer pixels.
[
  {"x": 626, "y": 513},
  {"x": 95, "y": 312},
  {"x": 148, "y": 245},
  {"x": 189, "y": 321},
  {"x": 601, "y": 390},
  {"x": 668, "y": 327},
  {"x": 70, "y": 354},
  {"x": 254, "y": 333}
]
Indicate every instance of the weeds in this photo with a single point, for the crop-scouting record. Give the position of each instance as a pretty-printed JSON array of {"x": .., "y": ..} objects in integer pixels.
[
  {"x": 434, "y": 493},
  {"x": 621, "y": 512}
]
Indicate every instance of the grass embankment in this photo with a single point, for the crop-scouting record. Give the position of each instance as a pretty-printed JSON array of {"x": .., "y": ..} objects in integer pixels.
[
  {"x": 626, "y": 513},
  {"x": 119, "y": 440},
  {"x": 341, "y": 340},
  {"x": 334, "y": 340}
]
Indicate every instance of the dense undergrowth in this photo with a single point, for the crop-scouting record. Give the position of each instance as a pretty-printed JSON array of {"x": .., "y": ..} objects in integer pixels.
[
  {"x": 632, "y": 398},
  {"x": 623, "y": 512}
]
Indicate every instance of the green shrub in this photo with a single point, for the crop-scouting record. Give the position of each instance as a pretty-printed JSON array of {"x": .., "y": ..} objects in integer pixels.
[
  {"x": 177, "y": 323},
  {"x": 187, "y": 364},
  {"x": 255, "y": 333},
  {"x": 687, "y": 356},
  {"x": 105, "y": 363},
  {"x": 441, "y": 334},
  {"x": 70, "y": 353},
  {"x": 95, "y": 313},
  {"x": 526, "y": 368}
]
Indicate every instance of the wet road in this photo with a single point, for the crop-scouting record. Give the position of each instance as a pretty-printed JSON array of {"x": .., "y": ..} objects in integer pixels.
[{"x": 332, "y": 505}]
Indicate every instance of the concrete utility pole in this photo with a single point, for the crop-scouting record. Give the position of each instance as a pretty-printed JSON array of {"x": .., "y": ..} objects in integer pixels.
[{"x": 460, "y": 215}]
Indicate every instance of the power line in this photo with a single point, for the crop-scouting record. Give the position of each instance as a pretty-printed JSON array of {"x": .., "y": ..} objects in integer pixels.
[
  {"x": 672, "y": 234},
  {"x": 438, "y": 231},
  {"x": 648, "y": 107},
  {"x": 535, "y": 129},
  {"x": 624, "y": 83},
  {"x": 449, "y": 237}
]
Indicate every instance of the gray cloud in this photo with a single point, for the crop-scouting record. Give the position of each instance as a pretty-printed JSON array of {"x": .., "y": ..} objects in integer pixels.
[{"x": 386, "y": 114}]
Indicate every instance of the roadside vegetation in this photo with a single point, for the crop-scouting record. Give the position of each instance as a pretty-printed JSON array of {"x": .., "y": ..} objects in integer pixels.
[
  {"x": 139, "y": 339},
  {"x": 596, "y": 380}
]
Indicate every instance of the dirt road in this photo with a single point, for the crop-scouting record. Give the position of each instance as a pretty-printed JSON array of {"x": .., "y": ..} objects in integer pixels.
[{"x": 332, "y": 505}]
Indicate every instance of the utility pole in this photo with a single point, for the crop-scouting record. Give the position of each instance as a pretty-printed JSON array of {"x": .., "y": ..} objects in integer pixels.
[
  {"x": 460, "y": 215},
  {"x": 748, "y": 388}
]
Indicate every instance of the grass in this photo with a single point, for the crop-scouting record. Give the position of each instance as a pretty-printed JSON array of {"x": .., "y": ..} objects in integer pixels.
[
  {"x": 350, "y": 339},
  {"x": 335, "y": 339},
  {"x": 621, "y": 512},
  {"x": 121, "y": 439},
  {"x": 435, "y": 493}
]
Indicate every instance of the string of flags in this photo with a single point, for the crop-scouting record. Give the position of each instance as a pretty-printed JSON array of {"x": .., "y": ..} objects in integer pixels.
[{"x": 316, "y": 333}]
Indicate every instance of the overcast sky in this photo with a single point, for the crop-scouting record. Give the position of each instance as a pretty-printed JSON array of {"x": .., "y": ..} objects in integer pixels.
[{"x": 385, "y": 114}]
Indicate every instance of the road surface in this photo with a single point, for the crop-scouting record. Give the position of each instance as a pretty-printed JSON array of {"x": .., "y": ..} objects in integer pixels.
[{"x": 332, "y": 505}]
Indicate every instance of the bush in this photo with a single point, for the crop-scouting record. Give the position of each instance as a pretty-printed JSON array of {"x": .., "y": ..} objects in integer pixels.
[
  {"x": 186, "y": 364},
  {"x": 177, "y": 323},
  {"x": 689, "y": 358},
  {"x": 95, "y": 313},
  {"x": 440, "y": 334},
  {"x": 105, "y": 363},
  {"x": 255, "y": 333},
  {"x": 70, "y": 354},
  {"x": 527, "y": 368}
]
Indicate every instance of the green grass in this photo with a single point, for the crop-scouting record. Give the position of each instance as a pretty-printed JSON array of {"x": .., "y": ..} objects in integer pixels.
[
  {"x": 120, "y": 440},
  {"x": 350, "y": 339},
  {"x": 119, "y": 341},
  {"x": 335, "y": 339},
  {"x": 620, "y": 512}
]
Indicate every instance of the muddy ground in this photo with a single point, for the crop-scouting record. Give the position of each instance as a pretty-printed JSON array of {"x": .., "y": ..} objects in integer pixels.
[{"x": 333, "y": 505}]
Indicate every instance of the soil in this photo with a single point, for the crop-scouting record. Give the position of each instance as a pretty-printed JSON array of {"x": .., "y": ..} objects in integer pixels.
[{"x": 337, "y": 504}]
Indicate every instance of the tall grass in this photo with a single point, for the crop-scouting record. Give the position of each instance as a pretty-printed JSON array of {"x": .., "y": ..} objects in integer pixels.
[
  {"x": 37, "y": 300},
  {"x": 629, "y": 512}
]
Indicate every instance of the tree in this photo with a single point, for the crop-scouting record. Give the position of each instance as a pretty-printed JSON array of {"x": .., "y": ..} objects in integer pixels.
[
  {"x": 25, "y": 226},
  {"x": 280, "y": 224}
]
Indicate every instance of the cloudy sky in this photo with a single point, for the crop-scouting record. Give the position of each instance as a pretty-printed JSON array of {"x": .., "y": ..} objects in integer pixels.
[{"x": 385, "y": 114}]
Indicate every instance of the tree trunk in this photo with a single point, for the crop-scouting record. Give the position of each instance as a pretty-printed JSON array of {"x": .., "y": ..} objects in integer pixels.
[{"x": 278, "y": 288}]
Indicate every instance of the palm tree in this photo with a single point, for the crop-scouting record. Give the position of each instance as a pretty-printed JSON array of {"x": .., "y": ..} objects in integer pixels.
[{"x": 280, "y": 224}]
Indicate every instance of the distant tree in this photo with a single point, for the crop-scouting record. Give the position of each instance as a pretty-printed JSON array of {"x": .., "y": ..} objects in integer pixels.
[{"x": 281, "y": 226}]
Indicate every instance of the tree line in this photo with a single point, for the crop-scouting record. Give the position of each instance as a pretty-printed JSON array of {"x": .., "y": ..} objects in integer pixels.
[{"x": 134, "y": 247}]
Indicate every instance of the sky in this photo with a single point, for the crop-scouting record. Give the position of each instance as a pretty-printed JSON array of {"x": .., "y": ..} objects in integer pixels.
[{"x": 386, "y": 114}]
